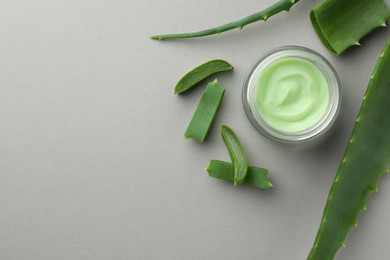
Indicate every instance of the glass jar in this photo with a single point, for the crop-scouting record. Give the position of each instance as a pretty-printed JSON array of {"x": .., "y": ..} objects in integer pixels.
[{"x": 252, "y": 81}]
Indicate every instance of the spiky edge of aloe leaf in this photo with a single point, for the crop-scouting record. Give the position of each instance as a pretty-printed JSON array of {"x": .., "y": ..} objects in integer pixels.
[
  {"x": 343, "y": 23},
  {"x": 365, "y": 160},
  {"x": 281, "y": 5}
]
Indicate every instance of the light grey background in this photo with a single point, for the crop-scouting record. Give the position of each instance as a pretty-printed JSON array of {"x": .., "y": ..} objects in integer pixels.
[{"x": 92, "y": 160}]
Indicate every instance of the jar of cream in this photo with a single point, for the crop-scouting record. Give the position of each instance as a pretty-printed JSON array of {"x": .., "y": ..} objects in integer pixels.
[{"x": 292, "y": 94}]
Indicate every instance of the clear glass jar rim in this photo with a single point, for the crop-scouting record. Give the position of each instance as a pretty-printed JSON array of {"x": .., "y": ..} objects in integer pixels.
[{"x": 326, "y": 69}]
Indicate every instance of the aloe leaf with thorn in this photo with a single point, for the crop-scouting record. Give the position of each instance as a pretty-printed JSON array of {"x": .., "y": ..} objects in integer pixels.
[
  {"x": 342, "y": 23},
  {"x": 365, "y": 160},
  {"x": 281, "y": 5}
]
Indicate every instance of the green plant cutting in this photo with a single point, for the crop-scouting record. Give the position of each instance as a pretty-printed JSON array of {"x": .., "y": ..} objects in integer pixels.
[
  {"x": 342, "y": 23},
  {"x": 256, "y": 177},
  {"x": 193, "y": 77},
  {"x": 205, "y": 112},
  {"x": 282, "y": 5},
  {"x": 237, "y": 154}
]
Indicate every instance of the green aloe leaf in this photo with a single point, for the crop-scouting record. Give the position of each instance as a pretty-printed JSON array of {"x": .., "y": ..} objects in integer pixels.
[
  {"x": 201, "y": 72},
  {"x": 236, "y": 153},
  {"x": 205, "y": 112},
  {"x": 256, "y": 177},
  {"x": 365, "y": 160},
  {"x": 343, "y": 23},
  {"x": 281, "y": 5}
]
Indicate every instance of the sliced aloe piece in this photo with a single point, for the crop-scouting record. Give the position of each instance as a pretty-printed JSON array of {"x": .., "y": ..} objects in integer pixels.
[
  {"x": 201, "y": 72},
  {"x": 205, "y": 112},
  {"x": 237, "y": 154},
  {"x": 256, "y": 177}
]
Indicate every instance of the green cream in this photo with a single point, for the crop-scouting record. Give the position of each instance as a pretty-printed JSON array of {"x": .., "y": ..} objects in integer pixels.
[{"x": 292, "y": 95}]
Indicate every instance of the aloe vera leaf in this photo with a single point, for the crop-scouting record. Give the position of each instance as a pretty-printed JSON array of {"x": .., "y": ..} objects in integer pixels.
[
  {"x": 343, "y": 23},
  {"x": 201, "y": 72},
  {"x": 281, "y": 5},
  {"x": 256, "y": 177},
  {"x": 205, "y": 112},
  {"x": 237, "y": 154},
  {"x": 365, "y": 160}
]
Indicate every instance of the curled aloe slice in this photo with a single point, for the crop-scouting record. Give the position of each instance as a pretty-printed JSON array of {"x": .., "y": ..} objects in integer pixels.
[
  {"x": 200, "y": 73},
  {"x": 365, "y": 160},
  {"x": 342, "y": 23},
  {"x": 256, "y": 177},
  {"x": 237, "y": 154}
]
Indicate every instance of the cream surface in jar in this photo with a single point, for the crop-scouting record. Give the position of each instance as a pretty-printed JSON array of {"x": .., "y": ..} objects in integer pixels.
[{"x": 292, "y": 95}]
